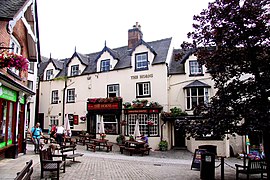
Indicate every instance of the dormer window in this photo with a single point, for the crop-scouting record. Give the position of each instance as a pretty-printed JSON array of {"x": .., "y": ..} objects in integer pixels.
[
  {"x": 141, "y": 62},
  {"x": 105, "y": 65},
  {"x": 74, "y": 70},
  {"x": 195, "y": 68},
  {"x": 49, "y": 74}
]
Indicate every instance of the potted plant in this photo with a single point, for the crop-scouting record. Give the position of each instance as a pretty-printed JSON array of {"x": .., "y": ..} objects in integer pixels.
[
  {"x": 131, "y": 138},
  {"x": 163, "y": 145},
  {"x": 121, "y": 139}
]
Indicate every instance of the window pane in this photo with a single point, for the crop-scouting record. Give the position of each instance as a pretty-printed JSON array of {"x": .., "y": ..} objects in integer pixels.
[
  {"x": 200, "y": 91},
  {"x": 193, "y": 92}
]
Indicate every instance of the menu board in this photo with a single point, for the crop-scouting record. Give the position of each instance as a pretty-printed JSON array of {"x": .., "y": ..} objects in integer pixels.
[{"x": 196, "y": 162}]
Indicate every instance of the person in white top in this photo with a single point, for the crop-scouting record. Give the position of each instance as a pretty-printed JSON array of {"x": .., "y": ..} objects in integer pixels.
[{"x": 60, "y": 131}]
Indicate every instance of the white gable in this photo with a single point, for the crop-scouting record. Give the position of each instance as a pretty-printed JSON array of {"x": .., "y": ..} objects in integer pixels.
[
  {"x": 106, "y": 56},
  {"x": 75, "y": 61}
]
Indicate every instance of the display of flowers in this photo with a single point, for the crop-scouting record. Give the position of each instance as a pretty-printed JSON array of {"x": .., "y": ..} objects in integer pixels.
[
  {"x": 104, "y": 100},
  {"x": 102, "y": 135},
  {"x": 10, "y": 59}
]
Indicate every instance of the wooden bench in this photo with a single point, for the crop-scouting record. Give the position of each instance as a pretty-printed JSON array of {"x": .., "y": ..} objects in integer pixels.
[
  {"x": 70, "y": 148},
  {"x": 26, "y": 172},
  {"x": 145, "y": 150},
  {"x": 122, "y": 147},
  {"x": 91, "y": 146},
  {"x": 109, "y": 146},
  {"x": 253, "y": 167},
  {"x": 48, "y": 164}
]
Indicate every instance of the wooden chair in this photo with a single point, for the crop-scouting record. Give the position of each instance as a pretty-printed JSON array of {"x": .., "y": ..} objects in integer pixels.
[
  {"x": 48, "y": 164},
  {"x": 253, "y": 167}
]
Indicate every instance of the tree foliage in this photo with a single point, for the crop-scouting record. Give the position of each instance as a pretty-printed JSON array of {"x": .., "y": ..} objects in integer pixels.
[{"x": 232, "y": 40}]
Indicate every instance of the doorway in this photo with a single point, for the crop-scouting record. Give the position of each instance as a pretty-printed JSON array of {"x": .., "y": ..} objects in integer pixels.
[{"x": 179, "y": 138}]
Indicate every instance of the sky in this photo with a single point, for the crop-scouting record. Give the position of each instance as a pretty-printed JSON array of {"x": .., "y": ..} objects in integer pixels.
[{"x": 87, "y": 24}]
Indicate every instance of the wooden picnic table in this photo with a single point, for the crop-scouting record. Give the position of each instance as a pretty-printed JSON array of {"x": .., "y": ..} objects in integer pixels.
[{"x": 100, "y": 143}]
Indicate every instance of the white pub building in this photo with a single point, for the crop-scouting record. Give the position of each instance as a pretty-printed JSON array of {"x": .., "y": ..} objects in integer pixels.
[{"x": 120, "y": 85}]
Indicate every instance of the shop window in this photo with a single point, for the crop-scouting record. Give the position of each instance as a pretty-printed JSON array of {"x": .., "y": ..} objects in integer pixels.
[
  {"x": 49, "y": 74},
  {"x": 105, "y": 65},
  {"x": 75, "y": 70},
  {"x": 143, "y": 89},
  {"x": 54, "y": 120},
  {"x": 3, "y": 123},
  {"x": 113, "y": 90},
  {"x": 71, "y": 95},
  {"x": 195, "y": 68},
  {"x": 196, "y": 96},
  {"x": 10, "y": 123},
  {"x": 143, "y": 124},
  {"x": 110, "y": 124},
  {"x": 55, "y": 97},
  {"x": 141, "y": 62}
]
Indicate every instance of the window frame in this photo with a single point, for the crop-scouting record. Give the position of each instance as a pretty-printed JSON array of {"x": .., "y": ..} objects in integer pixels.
[
  {"x": 116, "y": 92},
  {"x": 48, "y": 75},
  {"x": 143, "y": 88},
  {"x": 195, "y": 69},
  {"x": 105, "y": 68},
  {"x": 189, "y": 97},
  {"x": 69, "y": 99},
  {"x": 31, "y": 67},
  {"x": 30, "y": 84},
  {"x": 54, "y": 99},
  {"x": 75, "y": 69},
  {"x": 141, "y": 68},
  {"x": 16, "y": 49}
]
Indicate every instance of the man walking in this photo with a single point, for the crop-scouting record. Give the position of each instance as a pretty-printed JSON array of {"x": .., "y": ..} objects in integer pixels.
[{"x": 36, "y": 133}]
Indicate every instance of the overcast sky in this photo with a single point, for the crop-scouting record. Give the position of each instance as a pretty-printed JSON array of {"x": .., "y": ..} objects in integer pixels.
[{"x": 87, "y": 24}]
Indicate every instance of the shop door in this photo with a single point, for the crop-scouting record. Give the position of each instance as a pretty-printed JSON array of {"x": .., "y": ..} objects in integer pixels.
[
  {"x": 179, "y": 138},
  {"x": 91, "y": 124},
  {"x": 21, "y": 131}
]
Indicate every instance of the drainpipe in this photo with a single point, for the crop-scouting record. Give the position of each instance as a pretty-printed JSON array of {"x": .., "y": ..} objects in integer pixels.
[{"x": 64, "y": 92}]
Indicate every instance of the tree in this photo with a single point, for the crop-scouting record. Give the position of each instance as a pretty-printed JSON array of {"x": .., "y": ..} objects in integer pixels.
[{"x": 232, "y": 40}]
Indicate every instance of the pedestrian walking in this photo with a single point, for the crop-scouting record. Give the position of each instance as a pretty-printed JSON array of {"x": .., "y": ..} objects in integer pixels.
[{"x": 36, "y": 134}]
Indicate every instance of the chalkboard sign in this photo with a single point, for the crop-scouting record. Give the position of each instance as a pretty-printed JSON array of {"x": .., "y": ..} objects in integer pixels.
[{"x": 196, "y": 162}]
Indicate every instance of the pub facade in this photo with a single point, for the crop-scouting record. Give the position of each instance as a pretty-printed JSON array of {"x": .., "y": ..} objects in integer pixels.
[{"x": 139, "y": 81}]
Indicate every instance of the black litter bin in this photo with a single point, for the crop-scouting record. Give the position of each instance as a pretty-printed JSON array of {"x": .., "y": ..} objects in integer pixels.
[{"x": 207, "y": 169}]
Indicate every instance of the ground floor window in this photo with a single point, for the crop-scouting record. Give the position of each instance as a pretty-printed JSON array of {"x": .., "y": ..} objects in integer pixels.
[
  {"x": 144, "y": 119},
  {"x": 6, "y": 122},
  {"x": 54, "y": 120},
  {"x": 110, "y": 124}
]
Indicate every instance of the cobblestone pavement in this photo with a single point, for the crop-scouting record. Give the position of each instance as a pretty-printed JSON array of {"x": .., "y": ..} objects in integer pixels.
[{"x": 100, "y": 165}]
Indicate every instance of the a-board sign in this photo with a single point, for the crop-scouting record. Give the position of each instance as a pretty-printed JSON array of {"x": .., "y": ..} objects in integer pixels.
[{"x": 196, "y": 161}]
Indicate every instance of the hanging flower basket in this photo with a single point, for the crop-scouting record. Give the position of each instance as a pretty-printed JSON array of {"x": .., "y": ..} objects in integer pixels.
[{"x": 13, "y": 60}]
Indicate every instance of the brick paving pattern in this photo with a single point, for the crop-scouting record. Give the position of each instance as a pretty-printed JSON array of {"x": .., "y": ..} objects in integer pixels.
[{"x": 100, "y": 165}]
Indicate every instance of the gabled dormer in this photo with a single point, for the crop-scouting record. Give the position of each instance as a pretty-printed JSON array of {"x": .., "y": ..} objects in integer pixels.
[
  {"x": 52, "y": 69},
  {"x": 142, "y": 56},
  {"x": 106, "y": 59},
  {"x": 76, "y": 64},
  {"x": 185, "y": 62}
]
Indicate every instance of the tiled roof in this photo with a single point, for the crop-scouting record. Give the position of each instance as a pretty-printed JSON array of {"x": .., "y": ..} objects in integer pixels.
[
  {"x": 196, "y": 83},
  {"x": 160, "y": 49},
  {"x": 8, "y": 8},
  {"x": 179, "y": 57}
]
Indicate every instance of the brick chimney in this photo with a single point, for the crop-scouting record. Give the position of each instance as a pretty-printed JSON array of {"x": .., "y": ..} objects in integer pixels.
[{"x": 134, "y": 35}]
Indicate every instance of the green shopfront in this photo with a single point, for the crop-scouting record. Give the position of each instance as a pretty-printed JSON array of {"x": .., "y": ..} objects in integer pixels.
[{"x": 12, "y": 110}]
